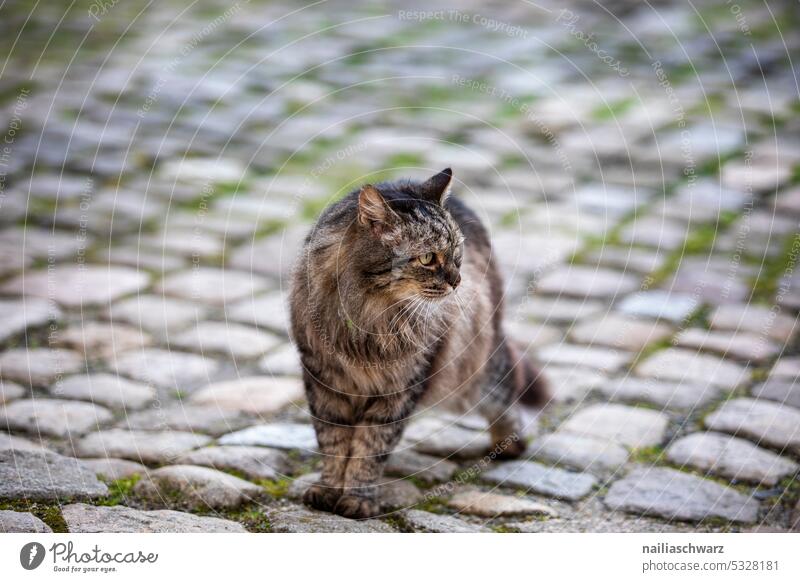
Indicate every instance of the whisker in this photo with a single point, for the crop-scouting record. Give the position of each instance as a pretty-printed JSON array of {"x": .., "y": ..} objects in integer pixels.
[{"x": 392, "y": 305}]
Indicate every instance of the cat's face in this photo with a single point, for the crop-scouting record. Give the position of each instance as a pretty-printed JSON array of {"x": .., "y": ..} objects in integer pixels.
[{"x": 414, "y": 247}]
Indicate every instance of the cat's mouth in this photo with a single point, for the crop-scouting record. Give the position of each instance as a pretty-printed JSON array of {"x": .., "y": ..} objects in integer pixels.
[{"x": 434, "y": 293}]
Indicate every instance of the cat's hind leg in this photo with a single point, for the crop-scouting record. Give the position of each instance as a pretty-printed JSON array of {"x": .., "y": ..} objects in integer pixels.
[{"x": 511, "y": 383}]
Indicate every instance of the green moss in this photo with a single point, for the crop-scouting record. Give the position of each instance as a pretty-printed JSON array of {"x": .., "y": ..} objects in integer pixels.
[
  {"x": 680, "y": 73},
  {"x": 419, "y": 483},
  {"x": 795, "y": 177},
  {"x": 711, "y": 167},
  {"x": 608, "y": 111},
  {"x": 120, "y": 491},
  {"x": 228, "y": 188},
  {"x": 10, "y": 94},
  {"x": 50, "y": 514},
  {"x": 432, "y": 95},
  {"x": 788, "y": 495},
  {"x": 700, "y": 318},
  {"x": 771, "y": 270},
  {"x": 313, "y": 207},
  {"x": 510, "y": 218},
  {"x": 432, "y": 505},
  {"x": 651, "y": 349},
  {"x": 712, "y": 104},
  {"x": 699, "y": 241},
  {"x": 513, "y": 160},
  {"x": 252, "y": 518},
  {"x": 397, "y": 523},
  {"x": 405, "y": 160},
  {"x": 276, "y": 488},
  {"x": 648, "y": 455}
]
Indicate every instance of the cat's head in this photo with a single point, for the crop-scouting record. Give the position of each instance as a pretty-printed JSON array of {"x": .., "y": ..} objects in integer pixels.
[{"x": 410, "y": 244}]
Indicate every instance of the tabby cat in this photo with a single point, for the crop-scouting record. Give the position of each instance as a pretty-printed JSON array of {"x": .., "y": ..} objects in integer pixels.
[{"x": 396, "y": 305}]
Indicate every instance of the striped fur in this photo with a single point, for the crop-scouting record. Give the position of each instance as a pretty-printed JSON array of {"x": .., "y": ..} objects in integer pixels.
[{"x": 382, "y": 335}]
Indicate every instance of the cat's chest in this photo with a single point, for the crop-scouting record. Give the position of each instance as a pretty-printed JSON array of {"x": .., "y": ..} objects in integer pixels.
[{"x": 380, "y": 377}]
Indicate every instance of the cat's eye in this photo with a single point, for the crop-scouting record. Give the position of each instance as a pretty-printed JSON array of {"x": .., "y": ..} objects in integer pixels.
[{"x": 425, "y": 259}]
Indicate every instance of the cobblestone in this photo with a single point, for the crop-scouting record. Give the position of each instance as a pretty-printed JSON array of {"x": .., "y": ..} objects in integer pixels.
[
  {"x": 649, "y": 257},
  {"x": 196, "y": 488},
  {"x": 75, "y": 288},
  {"x": 593, "y": 283},
  {"x": 618, "y": 331},
  {"x": 229, "y": 339},
  {"x": 681, "y": 365},
  {"x": 730, "y": 457},
  {"x": 54, "y": 418},
  {"x": 156, "y": 314},
  {"x": 539, "y": 478},
  {"x": 628, "y": 426},
  {"x": 82, "y": 518},
  {"x": 433, "y": 523},
  {"x": 38, "y": 475},
  {"x": 670, "y": 395},
  {"x": 113, "y": 469},
  {"x": 102, "y": 340},
  {"x": 494, "y": 505},
  {"x": 211, "y": 286},
  {"x": 105, "y": 389},
  {"x": 780, "y": 391},
  {"x": 298, "y": 519},
  {"x": 666, "y": 305},
  {"x": 38, "y": 366},
  {"x": 18, "y": 315},
  {"x": 252, "y": 462},
  {"x": 278, "y": 435},
  {"x": 427, "y": 468},
  {"x": 596, "y": 456},
  {"x": 10, "y": 391},
  {"x": 675, "y": 495},
  {"x": 166, "y": 369},
  {"x": 150, "y": 448},
  {"x": 765, "y": 422},
  {"x": 21, "y": 522},
  {"x": 255, "y": 395}
]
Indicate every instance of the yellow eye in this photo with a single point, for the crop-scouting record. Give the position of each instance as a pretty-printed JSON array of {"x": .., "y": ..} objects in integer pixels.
[{"x": 426, "y": 259}]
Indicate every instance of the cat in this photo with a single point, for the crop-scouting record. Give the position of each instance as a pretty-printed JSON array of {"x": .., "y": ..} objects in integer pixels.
[{"x": 396, "y": 305}]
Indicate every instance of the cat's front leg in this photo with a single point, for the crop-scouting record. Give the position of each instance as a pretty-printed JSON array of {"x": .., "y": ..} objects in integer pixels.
[
  {"x": 332, "y": 419},
  {"x": 374, "y": 438}
]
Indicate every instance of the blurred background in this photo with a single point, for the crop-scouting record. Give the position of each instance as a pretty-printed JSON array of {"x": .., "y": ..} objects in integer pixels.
[{"x": 637, "y": 165}]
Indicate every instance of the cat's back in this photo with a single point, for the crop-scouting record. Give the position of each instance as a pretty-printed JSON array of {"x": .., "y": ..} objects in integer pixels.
[
  {"x": 337, "y": 216},
  {"x": 474, "y": 232},
  {"x": 328, "y": 230}
]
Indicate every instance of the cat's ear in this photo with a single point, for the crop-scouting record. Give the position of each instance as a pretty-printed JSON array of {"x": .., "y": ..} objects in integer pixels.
[
  {"x": 373, "y": 210},
  {"x": 436, "y": 189}
]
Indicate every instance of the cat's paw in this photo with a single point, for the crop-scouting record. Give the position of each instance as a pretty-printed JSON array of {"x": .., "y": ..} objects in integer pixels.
[
  {"x": 356, "y": 507},
  {"x": 322, "y": 497}
]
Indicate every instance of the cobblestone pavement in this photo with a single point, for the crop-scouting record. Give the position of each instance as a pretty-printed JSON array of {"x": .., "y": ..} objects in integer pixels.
[{"x": 638, "y": 167}]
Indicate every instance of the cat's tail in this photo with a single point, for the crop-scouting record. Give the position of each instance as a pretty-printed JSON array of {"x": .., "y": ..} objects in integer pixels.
[{"x": 532, "y": 388}]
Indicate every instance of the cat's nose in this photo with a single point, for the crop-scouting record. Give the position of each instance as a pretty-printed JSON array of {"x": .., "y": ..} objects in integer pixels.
[{"x": 454, "y": 278}]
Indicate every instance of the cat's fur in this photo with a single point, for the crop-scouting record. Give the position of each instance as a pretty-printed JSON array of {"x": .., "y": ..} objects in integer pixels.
[{"x": 381, "y": 335}]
